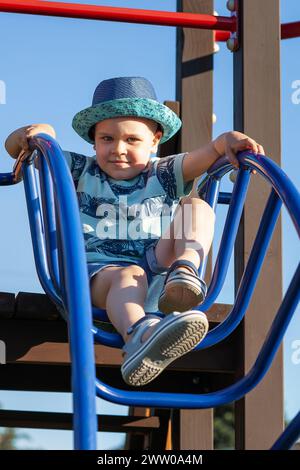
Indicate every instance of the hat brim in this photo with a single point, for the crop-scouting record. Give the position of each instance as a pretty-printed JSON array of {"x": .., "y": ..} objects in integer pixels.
[{"x": 139, "y": 107}]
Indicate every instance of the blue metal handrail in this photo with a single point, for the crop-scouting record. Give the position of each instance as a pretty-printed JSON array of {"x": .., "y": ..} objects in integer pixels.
[
  {"x": 7, "y": 179},
  {"x": 233, "y": 392},
  {"x": 37, "y": 233},
  {"x": 289, "y": 435},
  {"x": 69, "y": 278}
]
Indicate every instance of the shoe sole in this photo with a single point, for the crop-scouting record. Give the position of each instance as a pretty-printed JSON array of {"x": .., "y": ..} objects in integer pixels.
[
  {"x": 173, "y": 341},
  {"x": 180, "y": 297}
]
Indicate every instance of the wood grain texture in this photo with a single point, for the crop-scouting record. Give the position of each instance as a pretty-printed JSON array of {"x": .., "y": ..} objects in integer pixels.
[
  {"x": 257, "y": 113},
  {"x": 195, "y": 92}
]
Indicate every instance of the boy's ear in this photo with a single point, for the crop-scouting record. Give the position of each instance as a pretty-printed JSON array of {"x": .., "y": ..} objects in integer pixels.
[{"x": 156, "y": 140}]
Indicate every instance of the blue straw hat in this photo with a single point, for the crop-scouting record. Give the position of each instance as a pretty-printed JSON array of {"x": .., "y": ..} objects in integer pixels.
[{"x": 125, "y": 96}]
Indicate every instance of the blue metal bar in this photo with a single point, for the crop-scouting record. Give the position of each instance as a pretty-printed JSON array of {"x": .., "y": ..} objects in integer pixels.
[
  {"x": 224, "y": 198},
  {"x": 289, "y": 435},
  {"x": 77, "y": 292},
  {"x": 211, "y": 198},
  {"x": 61, "y": 266},
  {"x": 229, "y": 394},
  {"x": 49, "y": 221},
  {"x": 228, "y": 238},
  {"x": 7, "y": 179},
  {"x": 250, "y": 275},
  {"x": 212, "y": 190},
  {"x": 114, "y": 340},
  {"x": 273, "y": 174},
  {"x": 37, "y": 231},
  {"x": 290, "y": 197}
]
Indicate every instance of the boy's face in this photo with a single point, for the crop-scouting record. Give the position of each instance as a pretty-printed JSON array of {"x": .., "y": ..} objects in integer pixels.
[{"x": 123, "y": 145}]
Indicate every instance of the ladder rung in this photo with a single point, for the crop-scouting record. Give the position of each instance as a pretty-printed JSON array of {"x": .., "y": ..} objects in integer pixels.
[{"x": 48, "y": 420}]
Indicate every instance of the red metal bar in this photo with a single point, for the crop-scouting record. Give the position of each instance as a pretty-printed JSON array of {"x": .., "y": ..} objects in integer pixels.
[
  {"x": 221, "y": 36},
  {"x": 127, "y": 15},
  {"x": 288, "y": 31}
]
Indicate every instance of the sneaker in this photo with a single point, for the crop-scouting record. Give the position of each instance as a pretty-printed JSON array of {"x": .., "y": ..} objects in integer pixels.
[
  {"x": 183, "y": 289},
  {"x": 172, "y": 337}
]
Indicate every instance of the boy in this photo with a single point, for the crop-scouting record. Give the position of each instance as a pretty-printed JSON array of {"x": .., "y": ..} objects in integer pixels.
[{"x": 124, "y": 196}]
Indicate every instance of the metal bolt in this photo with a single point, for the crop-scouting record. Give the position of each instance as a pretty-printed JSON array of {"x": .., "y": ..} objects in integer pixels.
[
  {"x": 232, "y": 44},
  {"x": 233, "y": 176},
  {"x": 231, "y": 5}
]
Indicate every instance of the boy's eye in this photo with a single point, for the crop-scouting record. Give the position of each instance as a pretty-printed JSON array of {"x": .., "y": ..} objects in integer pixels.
[{"x": 108, "y": 138}]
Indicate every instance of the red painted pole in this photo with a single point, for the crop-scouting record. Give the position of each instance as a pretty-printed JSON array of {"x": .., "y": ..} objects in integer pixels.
[
  {"x": 221, "y": 36},
  {"x": 126, "y": 15},
  {"x": 288, "y": 31}
]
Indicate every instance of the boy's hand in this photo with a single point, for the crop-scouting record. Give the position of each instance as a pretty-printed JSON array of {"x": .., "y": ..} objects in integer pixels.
[
  {"x": 27, "y": 132},
  {"x": 18, "y": 140},
  {"x": 232, "y": 142}
]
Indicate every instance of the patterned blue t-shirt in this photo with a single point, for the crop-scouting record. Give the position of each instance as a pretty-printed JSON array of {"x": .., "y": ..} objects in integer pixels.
[{"x": 122, "y": 218}]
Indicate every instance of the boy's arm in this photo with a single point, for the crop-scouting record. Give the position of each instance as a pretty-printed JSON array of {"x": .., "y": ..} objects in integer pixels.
[
  {"x": 18, "y": 140},
  {"x": 198, "y": 161}
]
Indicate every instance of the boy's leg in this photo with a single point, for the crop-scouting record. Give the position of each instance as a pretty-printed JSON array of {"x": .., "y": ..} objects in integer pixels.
[
  {"x": 190, "y": 235},
  {"x": 122, "y": 292},
  {"x": 188, "y": 239}
]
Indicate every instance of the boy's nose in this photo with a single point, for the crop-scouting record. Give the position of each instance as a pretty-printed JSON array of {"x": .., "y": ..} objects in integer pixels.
[{"x": 119, "y": 148}]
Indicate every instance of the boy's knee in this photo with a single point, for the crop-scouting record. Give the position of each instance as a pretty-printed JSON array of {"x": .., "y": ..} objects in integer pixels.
[
  {"x": 201, "y": 207},
  {"x": 130, "y": 273},
  {"x": 207, "y": 208}
]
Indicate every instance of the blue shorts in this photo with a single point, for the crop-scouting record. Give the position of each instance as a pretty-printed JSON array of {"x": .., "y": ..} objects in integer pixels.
[
  {"x": 155, "y": 277},
  {"x": 148, "y": 263}
]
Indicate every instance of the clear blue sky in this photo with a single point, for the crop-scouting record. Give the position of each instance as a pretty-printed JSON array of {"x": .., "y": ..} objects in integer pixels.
[{"x": 50, "y": 67}]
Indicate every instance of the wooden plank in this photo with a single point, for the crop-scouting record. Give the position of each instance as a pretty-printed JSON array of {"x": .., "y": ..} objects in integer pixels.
[
  {"x": 35, "y": 306},
  {"x": 196, "y": 435},
  {"x": 47, "y": 420},
  {"x": 137, "y": 441},
  {"x": 198, "y": 430},
  {"x": 259, "y": 416},
  {"x": 47, "y": 343},
  {"x": 194, "y": 91},
  {"x": 218, "y": 312},
  {"x": 57, "y": 378},
  {"x": 171, "y": 146},
  {"x": 32, "y": 306},
  {"x": 7, "y": 305},
  {"x": 158, "y": 439}
]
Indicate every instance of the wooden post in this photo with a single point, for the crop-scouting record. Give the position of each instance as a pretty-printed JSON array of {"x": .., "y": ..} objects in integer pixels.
[
  {"x": 259, "y": 416},
  {"x": 194, "y": 92}
]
